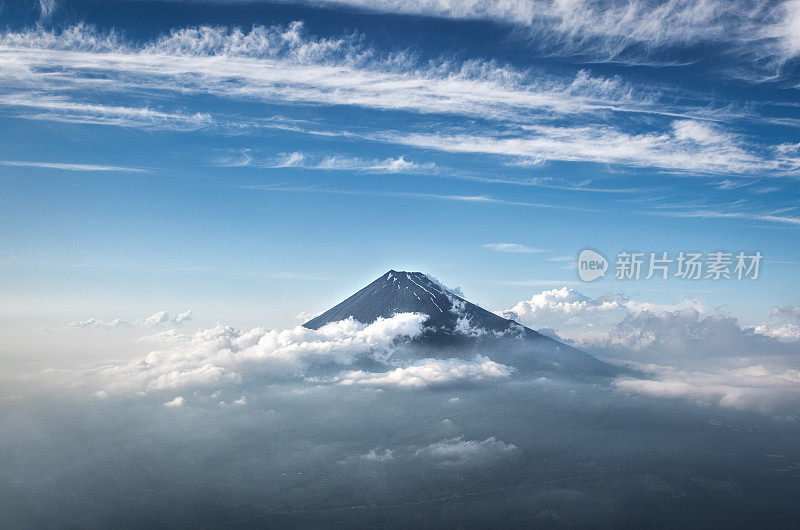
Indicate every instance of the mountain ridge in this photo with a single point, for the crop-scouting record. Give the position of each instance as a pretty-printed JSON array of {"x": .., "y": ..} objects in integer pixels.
[{"x": 458, "y": 327}]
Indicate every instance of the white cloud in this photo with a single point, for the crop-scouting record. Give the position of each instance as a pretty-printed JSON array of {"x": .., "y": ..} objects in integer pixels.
[
  {"x": 162, "y": 317},
  {"x": 177, "y": 402},
  {"x": 748, "y": 386},
  {"x": 687, "y": 335},
  {"x": 685, "y": 351},
  {"x": 301, "y": 160},
  {"x": 430, "y": 372},
  {"x": 699, "y": 132},
  {"x": 624, "y": 328},
  {"x": 579, "y": 317},
  {"x": 97, "y": 323},
  {"x": 679, "y": 148},
  {"x": 622, "y": 30},
  {"x": 389, "y": 165},
  {"x": 305, "y": 316},
  {"x": 295, "y": 159},
  {"x": 375, "y": 456},
  {"x": 64, "y": 109},
  {"x": 47, "y": 8},
  {"x": 731, "y": 211},
  {"x": 283, "y": 64},
  {"x": 786, "y": 28},
  {"x": 783, "y": 324},
  {"x": 514, "y": 248},
  {"x": 156, "y": 319},
  {"x": 219, "y": 355},
  {"x": 452, "y": 290},
  {"x": 72, "y": 167},
  {"x": 460, "y": 451},
  {"x": 183, "y": 317}
]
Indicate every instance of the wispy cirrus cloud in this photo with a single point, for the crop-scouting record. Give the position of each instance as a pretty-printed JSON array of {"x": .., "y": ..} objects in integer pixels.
[
  {"x": 66, "y": 110},
  {"x": 47, "y": 8},
  {"x": 740, "y": 209},
  {"x": 682, "y": 147},
  {"x": 283, "y": 64},
  {"x": 72, "y": 167},
  {"x": 477, "y": 199},
  {"x": 399, "y": 164},
  {"x": 302, "y": 160},
  {"x": 626, "y": 31},
  {"x": 514, "y": 248}
]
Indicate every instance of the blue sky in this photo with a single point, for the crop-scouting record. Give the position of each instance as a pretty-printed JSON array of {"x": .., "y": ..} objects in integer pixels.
[{"x": 252, "y": 160}]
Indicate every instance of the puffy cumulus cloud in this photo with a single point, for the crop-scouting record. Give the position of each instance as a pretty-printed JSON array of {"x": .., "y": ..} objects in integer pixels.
[
  {"x": 782, "y": 332},
  {"x": 618, "y": 326},
  {"x": 162, "y": 317},
  {"x": 177, "y": 402},
  {"x": 767, "y": 389},
  {"x": 430, "y": 372},
  {"x": 578, "y": 317},
  {"x": 683, "y": 351},
  {"x": 783, "y": 324},
  {"x": 183, "y": 317},
  {"x": 375, "y": 455},
  {"x": 97, "y": 323},
  {"x": 460, "y": 451},
  {"x": 709, "y": 359},
  {"x": 223, "y": 354},
  {"x": 305, "y": 316},
  {"x": 688, "y": 334},
  {"x": 156, "y": 319}
]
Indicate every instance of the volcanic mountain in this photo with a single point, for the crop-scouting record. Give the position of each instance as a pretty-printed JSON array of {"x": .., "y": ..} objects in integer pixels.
[{"x": 458, "y": 328}]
